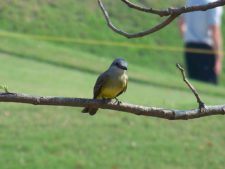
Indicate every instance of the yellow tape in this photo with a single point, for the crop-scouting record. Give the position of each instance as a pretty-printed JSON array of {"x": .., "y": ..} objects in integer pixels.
[{"x": 102, "y": 42}]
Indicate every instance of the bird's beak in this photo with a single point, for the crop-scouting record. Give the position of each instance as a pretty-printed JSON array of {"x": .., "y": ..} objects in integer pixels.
[{"x": 122, "y": 67}]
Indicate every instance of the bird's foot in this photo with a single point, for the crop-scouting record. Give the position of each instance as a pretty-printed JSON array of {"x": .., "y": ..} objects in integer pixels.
[{"x": 117, "y": 101}]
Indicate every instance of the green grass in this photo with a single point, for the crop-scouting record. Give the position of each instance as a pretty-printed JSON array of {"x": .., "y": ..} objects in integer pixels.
[
  {"x": 84, "y": 20},
  {"x": 58, "y": 137},
  {"x": 61, "y": 137}
]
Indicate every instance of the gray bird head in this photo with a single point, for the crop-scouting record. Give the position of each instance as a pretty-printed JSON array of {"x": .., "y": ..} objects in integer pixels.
[{"x": 120, "y": 63}]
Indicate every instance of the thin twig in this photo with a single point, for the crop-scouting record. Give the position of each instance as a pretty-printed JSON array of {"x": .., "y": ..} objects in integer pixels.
[
  {"x": 5, "y": 88},
  {"x": 200, "y": 102},
  {"x": 147, "y": 10}
]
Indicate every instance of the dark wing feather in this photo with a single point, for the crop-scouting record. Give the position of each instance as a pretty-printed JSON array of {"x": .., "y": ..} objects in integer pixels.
[
  {"x": 99, "y": 83},
  {"x": 97, "y": 89}
]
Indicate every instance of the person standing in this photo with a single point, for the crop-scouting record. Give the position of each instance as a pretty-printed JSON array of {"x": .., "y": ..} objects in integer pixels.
[{"x": 201, "y": 31}]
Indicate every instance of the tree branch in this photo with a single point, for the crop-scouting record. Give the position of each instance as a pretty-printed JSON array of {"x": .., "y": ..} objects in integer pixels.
[
  {"x": 200, "y": 102},
  {"x": 172, "y": 13},
  {"x": 178, "y": 11},
  {"x": 126, "y": 107},
  {"x": 134, "y": 35},
  {"x": 147, "y": 10}
]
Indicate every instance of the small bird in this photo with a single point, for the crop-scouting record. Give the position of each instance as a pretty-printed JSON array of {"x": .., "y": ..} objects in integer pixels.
[{"x": 110, "y": 83}]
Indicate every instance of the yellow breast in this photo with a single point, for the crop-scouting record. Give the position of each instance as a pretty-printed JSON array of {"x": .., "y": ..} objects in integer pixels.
[{"x": 113, "y": 87}]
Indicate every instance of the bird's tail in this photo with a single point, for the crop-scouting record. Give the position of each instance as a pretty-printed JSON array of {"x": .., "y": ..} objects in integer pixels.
[{"x": 91, "y": 111}]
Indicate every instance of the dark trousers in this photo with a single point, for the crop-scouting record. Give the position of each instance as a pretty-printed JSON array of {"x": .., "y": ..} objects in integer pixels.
[{"x": 200, "y": 66}]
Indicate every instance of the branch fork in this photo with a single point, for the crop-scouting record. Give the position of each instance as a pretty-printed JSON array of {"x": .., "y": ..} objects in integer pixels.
[
  {"x": 201, "y": 104},
  {"x": 170, "y": 13},
  {"x": 125, "y": 107}
]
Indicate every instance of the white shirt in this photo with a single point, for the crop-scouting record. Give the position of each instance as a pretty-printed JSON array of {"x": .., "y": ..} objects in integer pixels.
[{"x": 199, "y": 22}]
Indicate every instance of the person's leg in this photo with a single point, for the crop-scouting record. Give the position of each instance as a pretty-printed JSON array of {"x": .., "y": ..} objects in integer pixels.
[
  {"x": 208, "y": 73},
  {"x": 192, "y": 61},
  {"x": 200, "y": 66}
]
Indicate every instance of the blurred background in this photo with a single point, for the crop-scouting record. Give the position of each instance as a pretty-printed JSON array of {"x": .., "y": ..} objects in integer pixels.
[{"x": 58, "y": 48}]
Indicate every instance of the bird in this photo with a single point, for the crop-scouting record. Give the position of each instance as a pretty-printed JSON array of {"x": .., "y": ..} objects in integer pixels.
[{"x": 110, "y": 84}]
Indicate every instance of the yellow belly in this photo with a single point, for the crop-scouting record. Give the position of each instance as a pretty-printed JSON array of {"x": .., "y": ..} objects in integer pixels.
[
  {"x": 110, "y": 92},
  {"x": 113, "y": 87}
]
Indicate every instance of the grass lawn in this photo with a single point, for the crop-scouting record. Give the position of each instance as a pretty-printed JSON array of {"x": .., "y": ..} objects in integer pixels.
[{"x": 57, "y": 137}]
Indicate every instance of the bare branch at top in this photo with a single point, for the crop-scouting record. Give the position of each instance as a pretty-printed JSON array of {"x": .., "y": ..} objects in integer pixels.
[
  {"x": 170, "y": 13},
  {"x": 178, "y": 11}
]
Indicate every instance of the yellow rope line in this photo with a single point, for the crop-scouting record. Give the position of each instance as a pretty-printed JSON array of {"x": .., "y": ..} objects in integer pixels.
[{"x": 102, "y": 42}]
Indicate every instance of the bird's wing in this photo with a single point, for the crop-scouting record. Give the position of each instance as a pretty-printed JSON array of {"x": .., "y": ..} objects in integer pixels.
[{"x": 99, "y": 83}]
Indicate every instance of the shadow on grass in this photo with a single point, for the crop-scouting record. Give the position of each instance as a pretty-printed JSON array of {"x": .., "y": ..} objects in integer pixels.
[{"x": 96, "y": 73}]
